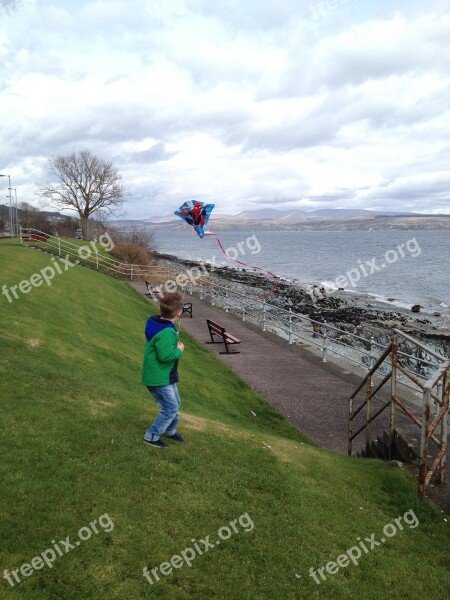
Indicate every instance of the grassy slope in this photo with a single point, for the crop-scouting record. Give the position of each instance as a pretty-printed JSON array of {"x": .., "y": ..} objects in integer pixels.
[{"x": 73, "y": 413}]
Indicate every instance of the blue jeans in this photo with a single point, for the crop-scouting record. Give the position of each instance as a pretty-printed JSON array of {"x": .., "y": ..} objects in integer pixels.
[{"x": 169, "y": 401}]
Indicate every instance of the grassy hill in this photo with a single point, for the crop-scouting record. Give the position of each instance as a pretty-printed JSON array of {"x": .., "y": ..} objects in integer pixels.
[{"x": 73, "y": 414}]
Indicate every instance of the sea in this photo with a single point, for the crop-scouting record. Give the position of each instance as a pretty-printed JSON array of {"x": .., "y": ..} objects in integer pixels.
[{"x": 396, "y": 267}]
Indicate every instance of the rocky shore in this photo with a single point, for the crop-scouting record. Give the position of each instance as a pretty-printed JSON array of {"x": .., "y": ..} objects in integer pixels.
[{"x": 350, "y": 312}]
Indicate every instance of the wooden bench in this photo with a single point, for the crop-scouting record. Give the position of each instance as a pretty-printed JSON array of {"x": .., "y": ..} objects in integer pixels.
[
  {"x": 187, "y": 308},
  {"x": 217, "y": 330},
  {"x": 151, "y": 291}
]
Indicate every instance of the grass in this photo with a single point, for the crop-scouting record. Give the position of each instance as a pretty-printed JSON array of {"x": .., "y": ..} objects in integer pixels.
[{"x": 72, "y": 420}]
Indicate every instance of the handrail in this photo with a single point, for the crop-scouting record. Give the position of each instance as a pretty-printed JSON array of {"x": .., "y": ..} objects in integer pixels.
[
  {"x": 417, "y": 343},
  {"x": 370, "y": 420},
  {"x": 431, "y": 383},
  {"x": 372, "y": 371}
]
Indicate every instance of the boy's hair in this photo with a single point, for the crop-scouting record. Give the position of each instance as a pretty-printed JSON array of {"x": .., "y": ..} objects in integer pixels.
[{"x": 170, "y": 304}]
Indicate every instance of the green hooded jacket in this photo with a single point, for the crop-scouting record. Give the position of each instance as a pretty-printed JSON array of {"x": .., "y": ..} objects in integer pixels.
[{"x": 161, "y": 354}]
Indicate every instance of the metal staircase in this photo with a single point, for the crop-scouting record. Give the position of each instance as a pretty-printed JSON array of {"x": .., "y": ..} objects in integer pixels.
[{"x": 429, "y": 417}]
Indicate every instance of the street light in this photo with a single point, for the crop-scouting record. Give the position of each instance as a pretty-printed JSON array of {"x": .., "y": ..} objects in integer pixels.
[
  {"x": 15, "y": 213},
  {"x": 11, "y": 225}
]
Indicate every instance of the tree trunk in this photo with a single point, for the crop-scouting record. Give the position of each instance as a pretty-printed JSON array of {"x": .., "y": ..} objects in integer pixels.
[{"x": 84, "y": 226}]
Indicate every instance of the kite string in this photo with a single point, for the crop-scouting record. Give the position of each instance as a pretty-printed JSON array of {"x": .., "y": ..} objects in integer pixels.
[{"x": 268, "y": 293}]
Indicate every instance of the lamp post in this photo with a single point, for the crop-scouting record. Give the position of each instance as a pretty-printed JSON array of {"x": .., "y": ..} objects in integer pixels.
[
  {"x": 11, "y": 226},
  {"x": 15, "y": 213}
]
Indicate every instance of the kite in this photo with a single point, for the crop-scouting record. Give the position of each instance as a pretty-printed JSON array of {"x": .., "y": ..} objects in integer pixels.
[{"x": 196, "y": 214}]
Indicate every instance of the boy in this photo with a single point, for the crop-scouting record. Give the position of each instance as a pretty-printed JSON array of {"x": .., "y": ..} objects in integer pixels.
[{"x": 159, "y": 371}]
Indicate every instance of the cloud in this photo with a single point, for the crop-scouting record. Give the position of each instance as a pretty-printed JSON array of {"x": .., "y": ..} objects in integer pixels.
[{"x": 241, "y": 103}]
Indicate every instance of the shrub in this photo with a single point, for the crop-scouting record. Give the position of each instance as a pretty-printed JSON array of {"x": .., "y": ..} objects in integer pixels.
[{"x": 131, "y": 253}]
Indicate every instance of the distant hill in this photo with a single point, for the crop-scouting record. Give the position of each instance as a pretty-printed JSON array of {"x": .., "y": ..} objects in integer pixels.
[
  {"x": 4, "y": 212},
  {"x": 270, "y": 213},
  {"x": 340, "y": 213},
  {"x": 332, "y": 219}
]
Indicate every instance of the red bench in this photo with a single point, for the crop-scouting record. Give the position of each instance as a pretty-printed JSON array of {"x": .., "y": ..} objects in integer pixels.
[
  {"x": 34, "y": 237},
  {"x": 218, "y": 331}
]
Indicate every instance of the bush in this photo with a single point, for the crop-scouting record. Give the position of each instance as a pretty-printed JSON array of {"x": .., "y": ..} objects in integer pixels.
[
  {"x": 135, "y": 246},
  {"x": 130, "y": 253},
  {"x": 139, "y": 236}
]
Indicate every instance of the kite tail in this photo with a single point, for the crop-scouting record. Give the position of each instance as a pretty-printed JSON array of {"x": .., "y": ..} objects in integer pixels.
[{"x": 239, "y": 262}]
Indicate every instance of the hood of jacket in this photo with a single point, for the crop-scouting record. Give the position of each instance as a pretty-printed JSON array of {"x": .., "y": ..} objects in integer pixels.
[{"x": 155, "y": 324}]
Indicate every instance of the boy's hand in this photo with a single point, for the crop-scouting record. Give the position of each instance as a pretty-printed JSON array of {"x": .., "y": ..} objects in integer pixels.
[{"x": 180, "y": 345}]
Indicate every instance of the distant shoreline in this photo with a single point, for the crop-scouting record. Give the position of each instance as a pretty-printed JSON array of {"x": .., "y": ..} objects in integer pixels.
[{"x": 317, "y": 223}]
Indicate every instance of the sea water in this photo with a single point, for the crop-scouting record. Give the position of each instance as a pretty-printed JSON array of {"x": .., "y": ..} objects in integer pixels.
[{"x": 407, "y": 267}]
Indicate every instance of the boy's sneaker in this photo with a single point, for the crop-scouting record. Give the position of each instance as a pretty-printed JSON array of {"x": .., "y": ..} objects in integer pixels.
[
  {"x": 176, "y": 437},
  {"x": 156, "y": 443}
]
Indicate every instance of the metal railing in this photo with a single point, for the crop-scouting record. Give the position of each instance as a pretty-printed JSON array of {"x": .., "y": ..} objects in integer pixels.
[
  {"x": 87, "y": 254},
  {"x": 328, "y": 339},
  {"x": 434, "y": 389}
]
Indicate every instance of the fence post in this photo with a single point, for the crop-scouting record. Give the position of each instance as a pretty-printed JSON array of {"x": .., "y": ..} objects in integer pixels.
[
  {"x": 392, "y": 419},
  {"x": 439, "y": 394},
  {"x": 350, "y": 427},
  {"x": 96, "y": 258},
  {"x": 445, "y": 393},
  {"x": 290, "y": 325},
  {"x": 201, "y": 292},
  {"x": 20, "y": 235},
  {"x": 243, "y": 312},
  {"x": 131, "y": 273},
  {"x": 372, "y": 352},
  {"x": 324, "y": 343},
  {"x": 423, "y": 469},
  {"x": 264, "y": 316},
  {"x": 368, "y": 415}
]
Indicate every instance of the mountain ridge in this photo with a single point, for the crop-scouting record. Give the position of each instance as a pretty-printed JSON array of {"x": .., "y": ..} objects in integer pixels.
[{"x": 317, "y": 220}]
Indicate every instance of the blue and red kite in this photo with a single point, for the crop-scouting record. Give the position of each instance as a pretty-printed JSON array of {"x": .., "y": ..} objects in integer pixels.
[{"x": 196, "y": 214}]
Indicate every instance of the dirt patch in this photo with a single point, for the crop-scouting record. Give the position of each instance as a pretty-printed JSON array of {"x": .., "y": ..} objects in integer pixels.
[
  {"x": 201, "y": 424},
  {"x": 197, "y": 423},
  {"x": 33, "y": 343},
  {"x": 99, "y": 408}
]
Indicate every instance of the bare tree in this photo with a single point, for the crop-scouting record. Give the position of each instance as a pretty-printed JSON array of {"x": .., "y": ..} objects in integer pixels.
[
  {"x": 26, "y": 214},
  {"x": 67, "y": 226},
  {"x": 86, "y": 184},
  {"x": 31, "y": 217}
]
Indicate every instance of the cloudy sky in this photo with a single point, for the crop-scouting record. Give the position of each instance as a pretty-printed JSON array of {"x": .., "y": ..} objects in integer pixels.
[{"x": 244, "y": 103}]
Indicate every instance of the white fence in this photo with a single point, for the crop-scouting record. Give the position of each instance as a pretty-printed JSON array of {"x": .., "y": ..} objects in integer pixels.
[{"x": 87, "y": 254}]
